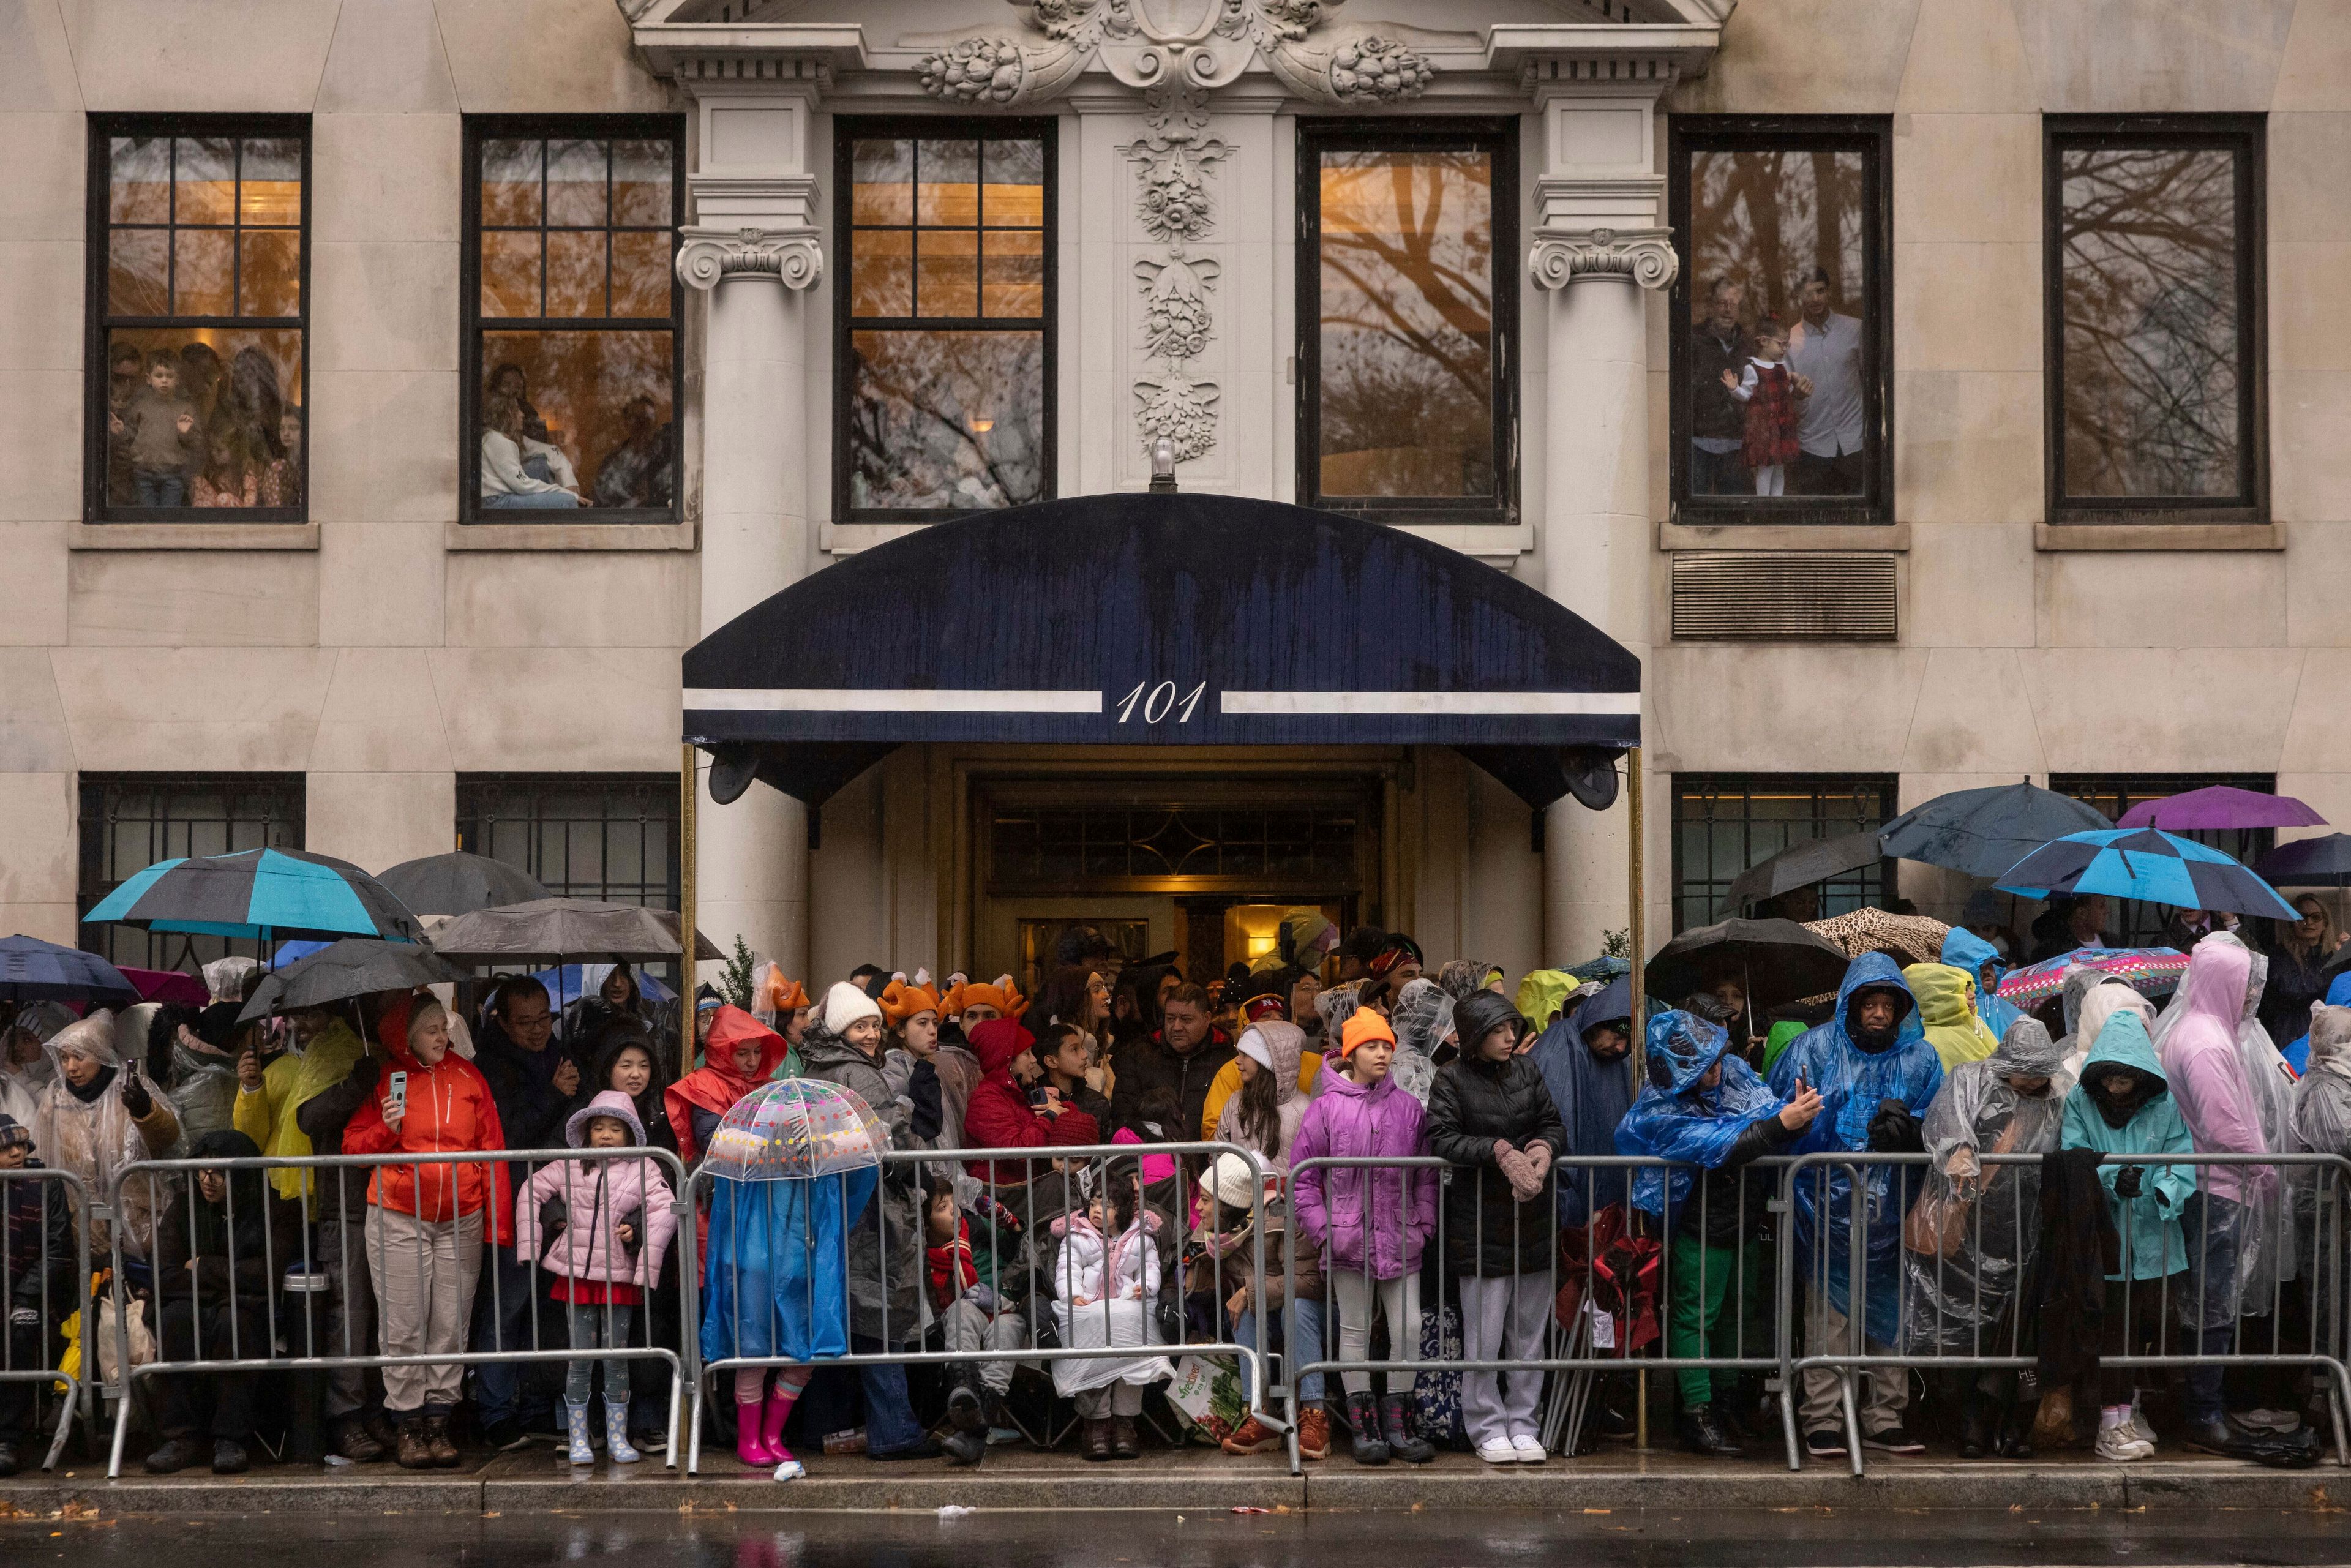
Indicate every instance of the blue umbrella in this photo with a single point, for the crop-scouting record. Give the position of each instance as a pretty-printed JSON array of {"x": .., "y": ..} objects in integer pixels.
[
  {"x": 2145, "y": 863},
  {"x": 32, "y": 970},
  {"x": 258, "y": 893}
]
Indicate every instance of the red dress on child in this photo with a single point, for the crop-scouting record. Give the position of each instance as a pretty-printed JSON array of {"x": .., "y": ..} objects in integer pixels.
[{"x": 1772, "y": 418}]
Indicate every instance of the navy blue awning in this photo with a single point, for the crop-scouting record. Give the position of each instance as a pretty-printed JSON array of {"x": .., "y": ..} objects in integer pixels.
[{"x": 1159, "y": 619}]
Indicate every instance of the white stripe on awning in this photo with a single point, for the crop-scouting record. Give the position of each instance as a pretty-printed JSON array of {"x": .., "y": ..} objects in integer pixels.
[
  {"x": 1501, "y": 704},
  {"x": 886, "y": 700}
]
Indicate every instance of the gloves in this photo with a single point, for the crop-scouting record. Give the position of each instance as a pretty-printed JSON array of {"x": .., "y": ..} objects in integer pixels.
[
  {"x": 1525, "y": 1180},
  {"x": 2128, "y": 1181},
  {"x": 923, "y": 1088},
  {"x": 1895, "y": 1130},
  {"x": 1539, "y": 1157},
  {"x": 135, "y": 1098}
]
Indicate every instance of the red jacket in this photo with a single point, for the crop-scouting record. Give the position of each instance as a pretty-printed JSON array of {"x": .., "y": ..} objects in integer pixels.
[
  {"x": 1000, "y": 1115},
  {"x": 449, "y": 1109}
]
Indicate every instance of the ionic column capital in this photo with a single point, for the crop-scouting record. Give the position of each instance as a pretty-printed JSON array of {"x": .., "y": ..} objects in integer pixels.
[
  {"x": 707, "y": 257},
  {"x": 1641, "y": 256}
]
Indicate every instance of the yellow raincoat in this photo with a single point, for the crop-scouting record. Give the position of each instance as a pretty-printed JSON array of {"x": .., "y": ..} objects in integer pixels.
[{"x": 1947, "y": 1011}]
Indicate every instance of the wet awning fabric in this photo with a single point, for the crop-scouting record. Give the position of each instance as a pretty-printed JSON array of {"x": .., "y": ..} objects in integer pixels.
[{"x": 1169, "y": 620}]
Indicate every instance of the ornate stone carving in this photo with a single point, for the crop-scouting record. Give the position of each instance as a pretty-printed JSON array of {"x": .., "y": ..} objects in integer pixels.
[
  {"x": 1175, "y": 205},
  {"x": 1645, "y": 257},
  {"x": 1184, "y": 410},
  {"x": 1174, "y": 159},
  {"x": 976, "y": 71},
  {"x": 1374, "y": 69},
  {"x": 705, "y": 259},
  {"x": 1176, "y": 315}
]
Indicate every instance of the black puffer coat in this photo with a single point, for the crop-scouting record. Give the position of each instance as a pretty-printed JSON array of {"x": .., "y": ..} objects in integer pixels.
[{"x": 1487, "y": 1231}]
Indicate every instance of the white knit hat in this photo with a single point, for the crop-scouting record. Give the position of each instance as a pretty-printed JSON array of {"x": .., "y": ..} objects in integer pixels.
[{"x": 844, "y": 1005}]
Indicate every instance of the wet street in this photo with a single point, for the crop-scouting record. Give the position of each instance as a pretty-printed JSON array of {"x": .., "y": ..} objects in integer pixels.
[{"x": 1829, "y": 1538}]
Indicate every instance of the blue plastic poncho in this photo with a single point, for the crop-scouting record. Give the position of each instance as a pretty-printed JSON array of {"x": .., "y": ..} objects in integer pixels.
[
  {"x": 1963, "y": 949},
  {"x": 1852, "y": 1083},
  {"x": 1674, "y": 1119},
  {"x": 776, "y": 1280},
  {"x": 1591, "y": 1095}
]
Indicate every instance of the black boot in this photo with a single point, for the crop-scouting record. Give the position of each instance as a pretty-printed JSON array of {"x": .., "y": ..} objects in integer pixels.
[
  {"x": 1702, "y": 1432},
  {"x": 1976, "y": 1425},
  {"x": 1397, "y": 1428},
  {"x": 1364, "y": 1416}
]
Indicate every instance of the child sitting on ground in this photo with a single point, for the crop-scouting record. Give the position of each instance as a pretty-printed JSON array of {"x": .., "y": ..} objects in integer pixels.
[
  {"x": 971, "y": 1318},
  {"x": 1107, "y": 1276}
]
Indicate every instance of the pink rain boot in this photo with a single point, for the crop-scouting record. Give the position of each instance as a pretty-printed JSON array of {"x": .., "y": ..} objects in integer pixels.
[
  {"x": 750, "y": 1446},
  {"x": 771, "y": 1432}
]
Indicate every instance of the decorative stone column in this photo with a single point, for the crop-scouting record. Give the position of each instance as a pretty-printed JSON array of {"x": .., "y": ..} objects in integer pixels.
[{"x": 755, "y": 249}]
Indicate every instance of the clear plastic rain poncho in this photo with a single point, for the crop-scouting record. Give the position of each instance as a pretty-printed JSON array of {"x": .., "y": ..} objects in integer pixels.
[
  {"x": 2322, "y": 1101},
  {"x": 1957, "y": 1305},
  {"x": 1423, "y": 1021}
]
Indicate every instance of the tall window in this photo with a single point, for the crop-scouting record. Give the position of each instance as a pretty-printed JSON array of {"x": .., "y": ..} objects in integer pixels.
[
  {"x": 199, "y": 292},
  {"x": 1782, "y": 359},
  {"x": 611, "y": 836},
  {"x": 571, "y": 383},
  {"x": 1406, "y": 399},
  {"x": 944, "y": 325},
  {"x": 2155, "y": 317},
  {"x": 2135, "y": 922},
  {"x": 130, "y": 821},
  {"x": 1725, "y": 822}
]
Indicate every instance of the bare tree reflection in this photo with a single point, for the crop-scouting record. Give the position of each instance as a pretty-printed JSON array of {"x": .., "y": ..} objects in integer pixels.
[
  {"x": 946, "y": 419},
  {"x": 1767, "y": 218}
]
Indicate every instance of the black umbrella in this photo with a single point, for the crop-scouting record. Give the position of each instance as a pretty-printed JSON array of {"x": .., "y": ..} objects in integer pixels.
[
  {"x": 561, "y": 928},
  {"x": 1984, "y": 831},
  {"x": 1774, "y": 960},
  {"x": 32, "y": 970},
  {"x": 2308, "y": 863},
  {"x": 1801, "y": 866},
  {"x": 355, "y": 967},
  {"x": 459, "y": 884}
]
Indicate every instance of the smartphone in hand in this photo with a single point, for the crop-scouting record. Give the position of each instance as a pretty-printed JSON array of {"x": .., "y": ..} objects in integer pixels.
[{"x": 396, "y": 1089}]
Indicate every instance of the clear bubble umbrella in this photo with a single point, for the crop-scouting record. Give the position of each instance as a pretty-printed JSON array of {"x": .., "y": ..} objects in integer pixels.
[{"x": 794, "y": 1129}]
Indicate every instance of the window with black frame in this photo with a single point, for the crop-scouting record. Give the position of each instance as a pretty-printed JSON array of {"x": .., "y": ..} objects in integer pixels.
[
  {"x": 2155, "y": 318},
  {"x": 1726, "y": 822},
  {"x": 944, "y": 336},
  {"x": 2135, "y": 922},
  {"x": 572, "y": 306},
  {"x": 1406, "y": 390},
  {"x": 130, "y": 821},
  {"x": 1782, "y": 356},
  {"x": 199, "y": 295}
]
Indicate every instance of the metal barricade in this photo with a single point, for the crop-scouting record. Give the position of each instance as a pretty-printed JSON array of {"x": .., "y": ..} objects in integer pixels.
[
  {"x": 1949, "y": 1316},
  {"x": 1596, "y": 1202},
  {"x": 1020, "y": 1193},
  {"x": 268, "y": 1311},
  {"x": 44, "y": 1284}
]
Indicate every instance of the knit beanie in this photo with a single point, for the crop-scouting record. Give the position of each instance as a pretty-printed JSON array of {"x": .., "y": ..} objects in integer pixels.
[
  {"x": 14, "y": 1135},
  {"x": 1365, "y": 1025},
  {"x": 844, "y": 1005}
]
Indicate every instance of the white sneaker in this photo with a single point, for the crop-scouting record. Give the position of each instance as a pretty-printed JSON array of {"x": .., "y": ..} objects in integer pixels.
[
  {"x": 2141, "y": 1427},
  {"x": 1529, "y": 1447},
  {"x": 2120, "y": 1446},
  {"x": 1499, "y": 1451}
]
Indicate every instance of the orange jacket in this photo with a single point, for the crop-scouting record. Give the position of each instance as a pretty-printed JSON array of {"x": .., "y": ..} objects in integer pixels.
[{"x": 449, "y": 1109}]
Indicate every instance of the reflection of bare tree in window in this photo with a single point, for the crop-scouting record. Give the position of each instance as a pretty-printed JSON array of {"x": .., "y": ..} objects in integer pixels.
[
  {"x": 2150, "y": 257},
  {"x": 946, "y": 419},
  {"x": 1767, "y": 218},
  {"x": 1406, "y": 354}
]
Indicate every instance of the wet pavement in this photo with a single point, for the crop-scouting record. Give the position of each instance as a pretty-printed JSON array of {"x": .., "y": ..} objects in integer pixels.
[{"x": 1845, "y": 1537}]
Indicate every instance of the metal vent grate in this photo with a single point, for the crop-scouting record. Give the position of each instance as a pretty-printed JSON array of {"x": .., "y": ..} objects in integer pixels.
[{"x": 1845, "y": 596}]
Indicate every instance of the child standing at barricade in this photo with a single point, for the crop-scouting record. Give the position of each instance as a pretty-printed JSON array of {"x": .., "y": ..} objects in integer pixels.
[
  {"x": 1370, "y": 1224},
  {"x": 1488, "y": 1112},
  {"x": 616, "y": 1225}
]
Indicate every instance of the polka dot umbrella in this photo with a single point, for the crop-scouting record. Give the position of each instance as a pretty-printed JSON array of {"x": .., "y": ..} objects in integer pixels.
[{"x": 794, "y": 1129}]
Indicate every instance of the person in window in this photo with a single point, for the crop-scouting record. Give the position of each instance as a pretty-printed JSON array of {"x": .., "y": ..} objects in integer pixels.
[
  {"x": 1825, "y": 350},
  {"x": 1718, "y": 346},
  {"x": 1772, "y": 396},
  {"x": 518, "y": 470},
  {"x": 159, "y": 431},
  {"x": 509, "y": 380},
  {"x": 639, "y": 472},
  {"x": 281, "y": 481},
  {"x": 224, "y": 480},
  {"x": 126, "y": 375},
  {"x": 245, "y": 422}
]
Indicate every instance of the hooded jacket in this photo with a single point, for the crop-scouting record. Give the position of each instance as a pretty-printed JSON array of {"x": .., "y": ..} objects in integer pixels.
[
  {"x": 1716, "y": 1129},
  {"x": 1591, "y": 1095},
  {"x": 1963, "y": 949},
  {"x": 2090, "y": 1005},
  {"x": 271, "y": 1114},
  {"x": 2297, "y": 1055},
  {"x": 1286, "y": 1043},
  {"x": 2207, "y": 1073},
  {"x": 2322, "y": 1101},
  {"x": 1421, "y": 1021},
  {"x": 698, "y": 1102},
  {"x": 243, "y": 1243},
  {"x": 92, "y": 1134},
  {"x": 1947, "y": 1011},
  {"x": 883, "y": 1300},
  {"x": 1000, "y": 1115},
  {"x": 450, "y": 1109},
  {"x": 2152, "y": 1243},
  {"x": 1355, "y": 1212},
  {"x": 597, "y": 1196},
  {"x": 1475, "y": 1102}
]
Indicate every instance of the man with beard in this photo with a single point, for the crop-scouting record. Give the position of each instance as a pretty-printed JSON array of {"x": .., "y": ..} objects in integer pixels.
[{"x": 1877, "y": 1074}]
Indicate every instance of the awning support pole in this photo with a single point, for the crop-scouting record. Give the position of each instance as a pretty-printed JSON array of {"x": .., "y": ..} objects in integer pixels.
[
  {"x": 690, "y": 968},
  {"x": 1637, "y": 934}
]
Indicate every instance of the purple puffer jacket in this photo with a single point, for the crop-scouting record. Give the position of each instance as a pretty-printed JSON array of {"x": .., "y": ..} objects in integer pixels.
[
  {"x": 1330, "y": 1201},
  {"x": 598, "y": 1195}
]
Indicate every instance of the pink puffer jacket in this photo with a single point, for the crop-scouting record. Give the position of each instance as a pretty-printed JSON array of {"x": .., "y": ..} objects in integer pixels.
[{"x": 598, "y": 1195}]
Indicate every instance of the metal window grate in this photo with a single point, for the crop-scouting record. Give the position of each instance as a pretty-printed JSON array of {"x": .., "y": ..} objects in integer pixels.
[
  {"x": 1845, "y": 596},
  {"x": 130, "y": 821},
  {"x": 1725, "y": 822}
]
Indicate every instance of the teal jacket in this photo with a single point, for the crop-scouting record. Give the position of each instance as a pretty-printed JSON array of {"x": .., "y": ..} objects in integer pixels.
[{"x": 2148, "y": 1225}]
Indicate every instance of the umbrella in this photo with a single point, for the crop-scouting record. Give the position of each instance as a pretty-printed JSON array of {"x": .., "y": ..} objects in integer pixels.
[
  {"x": 2308, "y": 863},
  {"x": 1774, "y": 959},
  {"x": 261, "y": 893},
  {"x": 1801, "y": 866},
  {"x": 560, "y": 928},
  {"x": 355, "y": 967},
  {"x": 1911, "y": 938},
  {"x": 1984, "y": 831},
  {"x": 2145, "y": 863},
  {"x": 794, "y": 1129},
  {"x": 168, "y": 986},
  {"x": 2222, "y": 806},
  {"x": 2151, "y": 971},
  {"x": 460, "y": 883},
  {"x": 32, "y": 970}
]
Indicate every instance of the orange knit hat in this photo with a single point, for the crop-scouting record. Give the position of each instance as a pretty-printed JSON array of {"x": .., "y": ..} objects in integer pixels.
[{"x": 1365, "y": 1025}]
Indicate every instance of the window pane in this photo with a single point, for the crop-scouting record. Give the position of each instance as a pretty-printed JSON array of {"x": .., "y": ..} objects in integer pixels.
[
  {"x": 510, "y": 272},
  {"x": 641, "y": 184},
  {"x": 137, "y": 261},
  {"x": 269, "y": 283},
  {"x": 202, "y": 283},
  {"x": 641, "y": 273},
  {"x": 601, "y": 399},
  {"x": 269, "y": 189},
  {"x": 881, "y": 272},
  {"x": 881, "y": 176},
  {"x": 139, "y": 182},
  {"x": 946, "y": 265},
  {"x": 946, "y": 419},
  {"x": 948, "y": 188},
  {"x": 1014, "y": 196},
  {"x": 205, "y": 168},
  {"x": 510, "y": 182},
  {"x": 1012, "y": 275},
  {"x": 575, "y": 271},
  {"x": 2152, "y": 344},
  {"x": 575, "y": 183},
  {"x": 1406, "y": 349},
  {"x": 240, "y": 394}
]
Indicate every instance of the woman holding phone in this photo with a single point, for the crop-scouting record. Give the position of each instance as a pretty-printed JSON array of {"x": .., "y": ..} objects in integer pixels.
[{"x": 426, "y": 1223}]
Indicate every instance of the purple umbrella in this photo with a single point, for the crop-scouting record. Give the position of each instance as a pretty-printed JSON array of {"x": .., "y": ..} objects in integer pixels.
[{"x": 2222, "y": 806}]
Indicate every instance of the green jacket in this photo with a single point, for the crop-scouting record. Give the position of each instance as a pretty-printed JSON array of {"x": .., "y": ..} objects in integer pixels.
[{"x": 2148, "y": 1225}]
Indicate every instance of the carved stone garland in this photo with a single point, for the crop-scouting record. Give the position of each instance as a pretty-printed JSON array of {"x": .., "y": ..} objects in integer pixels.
[{"x": 1174, "y": 206}]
